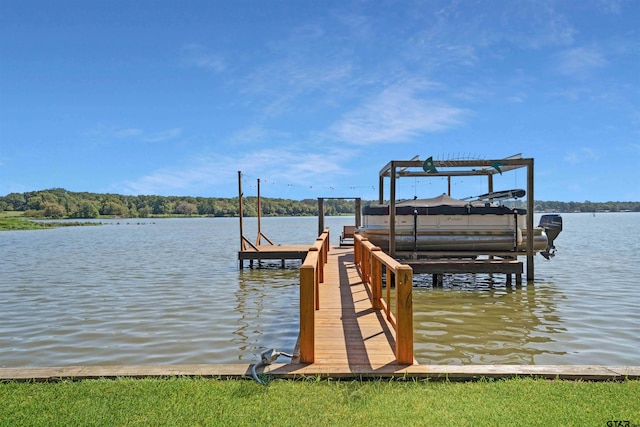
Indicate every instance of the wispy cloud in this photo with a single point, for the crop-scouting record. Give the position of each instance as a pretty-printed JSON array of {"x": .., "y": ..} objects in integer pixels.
[
  {"x": 305, "y": 69},
  {"x": 580, "y": 155},
  {"x": 257, "y": 135},
  {"x": 517, "y": 98},
  {"x": 299, "y": 167},
  {"x": 195, "y": 55},
  {"x": 285, "y": 165},
  {"x": 359, "y": 26},
  {"x": 195, "y": 174},
  {"x": 292, "y": 76},
  {"x": 464, "y": 32},
  {"x": 613, "y": 7},
  {"x": 580, "y": 61},
  {"x": 127, "y": 133},
  {"x": 397, "y": 114},
  {"x": 163, "y": 135},
  {"x": 545, "y": 26},
  {"x": 122, "y": 133}
]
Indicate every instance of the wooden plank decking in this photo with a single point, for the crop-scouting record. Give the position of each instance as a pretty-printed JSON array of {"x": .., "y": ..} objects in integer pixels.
[
  {"x": 272, "y": 252},
  {"x": 348, "y": 332},
  {"x": 275, "y": 252}
]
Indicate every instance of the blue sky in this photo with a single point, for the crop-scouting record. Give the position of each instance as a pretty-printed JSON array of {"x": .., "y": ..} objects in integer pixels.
[{"x": 315, "y": 97}]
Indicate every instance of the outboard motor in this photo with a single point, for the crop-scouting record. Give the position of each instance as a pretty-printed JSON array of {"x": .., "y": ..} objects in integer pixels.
[{"x": 552, "y": 225}]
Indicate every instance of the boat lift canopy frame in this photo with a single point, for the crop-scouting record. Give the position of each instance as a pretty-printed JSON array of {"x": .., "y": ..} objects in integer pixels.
[{"x": 406, "y": 168}]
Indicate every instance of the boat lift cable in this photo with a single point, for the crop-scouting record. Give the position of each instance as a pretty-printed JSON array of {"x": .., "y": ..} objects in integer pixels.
[{"x": 267, "y": 357}]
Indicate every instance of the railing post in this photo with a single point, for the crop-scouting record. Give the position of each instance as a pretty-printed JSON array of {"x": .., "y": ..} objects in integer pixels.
[
  {"x": 366, "y": 265},
  {"x": 376, "y": 280},
  {"x": 318, "y": 271},
  {"x": 307, "y": 313},
  {"x": 357, "y": 249},
  {"x": 404, "y": 314},
  {"x": 327, "y": 242},
  {"x": 322, "y": 258}
]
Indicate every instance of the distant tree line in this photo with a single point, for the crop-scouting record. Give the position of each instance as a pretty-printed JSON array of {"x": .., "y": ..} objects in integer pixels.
[
  {"x": 586, "y": 206},
  {"x": 60, "y": 203}
]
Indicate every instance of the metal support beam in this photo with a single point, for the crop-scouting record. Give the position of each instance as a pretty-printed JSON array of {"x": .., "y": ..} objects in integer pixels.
[
  {"x": 242, "y": 245},
  {"x": 392, "y": 211},
  {"x": 530, "y": 206},
  {"x": 320, "y": 215}
]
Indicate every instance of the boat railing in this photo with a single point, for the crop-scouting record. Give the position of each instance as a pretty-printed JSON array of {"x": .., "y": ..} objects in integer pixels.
[
  {"x": 376, "y": 266},
  {"x": 311, "y": 275}
]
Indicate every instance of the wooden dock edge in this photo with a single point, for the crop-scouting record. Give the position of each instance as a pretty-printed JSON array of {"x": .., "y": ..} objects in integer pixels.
[{"x": 301, "y": 371}]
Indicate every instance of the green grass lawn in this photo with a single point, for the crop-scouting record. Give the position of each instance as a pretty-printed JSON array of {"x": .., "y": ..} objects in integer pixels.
[
  {"x": 192, "y": 402},
  {"x": 25, "y": 224}
]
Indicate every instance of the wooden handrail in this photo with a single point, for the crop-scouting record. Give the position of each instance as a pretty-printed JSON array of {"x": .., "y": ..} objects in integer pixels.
[
  {"x": 370, "y": 259},
  {"x": 311, "y": 275}
]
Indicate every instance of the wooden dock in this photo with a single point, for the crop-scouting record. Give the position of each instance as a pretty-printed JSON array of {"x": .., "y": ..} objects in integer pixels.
[
  {"x": 348, "y": 331},
  {"x": 438, "y": 267},
  {"x": 272, "y": 252},
  {"x": 268, "y": 251}
]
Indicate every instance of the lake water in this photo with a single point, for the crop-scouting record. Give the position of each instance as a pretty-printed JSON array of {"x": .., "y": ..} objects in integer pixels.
[{"x": 169, "y": 291}]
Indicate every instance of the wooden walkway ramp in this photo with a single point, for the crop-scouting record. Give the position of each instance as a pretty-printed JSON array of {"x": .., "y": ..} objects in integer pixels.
[{"x": 350, "y": 336}]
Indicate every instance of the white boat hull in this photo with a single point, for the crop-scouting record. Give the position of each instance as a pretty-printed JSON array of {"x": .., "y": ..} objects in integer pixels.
[
  {"x": 457, "y": 241},
  {"x": 446, "y": 224}
]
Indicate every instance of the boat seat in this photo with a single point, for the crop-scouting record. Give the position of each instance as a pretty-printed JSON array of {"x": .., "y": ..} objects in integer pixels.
[{"x": 347, "y": 236}]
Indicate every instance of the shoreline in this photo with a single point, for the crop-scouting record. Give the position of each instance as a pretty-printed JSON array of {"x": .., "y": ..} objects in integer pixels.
[{"x": 296, "y": 371}]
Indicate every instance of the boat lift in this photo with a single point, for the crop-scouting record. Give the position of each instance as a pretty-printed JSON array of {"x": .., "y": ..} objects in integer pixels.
[{"x": 396, "y": 169}]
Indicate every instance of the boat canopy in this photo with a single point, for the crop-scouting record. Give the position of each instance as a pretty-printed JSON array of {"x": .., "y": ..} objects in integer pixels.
[
  {"x": 442, "y": 205},
  {"x": 441, "y": 200}
]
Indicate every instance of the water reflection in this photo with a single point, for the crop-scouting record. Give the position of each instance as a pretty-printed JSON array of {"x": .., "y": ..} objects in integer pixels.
[
  {"x": 478, "y": 319},
  {"x": 267, "y": 301}
]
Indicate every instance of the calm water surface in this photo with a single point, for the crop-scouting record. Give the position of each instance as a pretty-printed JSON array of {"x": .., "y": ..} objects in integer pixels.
[
  {"x": 584, "y": 307},
  {"x": 169, "y": 291}
]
